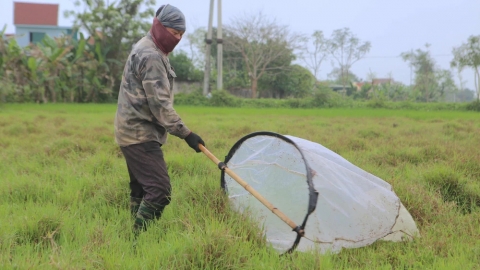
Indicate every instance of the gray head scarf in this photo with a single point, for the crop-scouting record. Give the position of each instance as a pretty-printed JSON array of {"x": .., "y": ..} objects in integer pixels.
[{"x": 172, "y": 17}]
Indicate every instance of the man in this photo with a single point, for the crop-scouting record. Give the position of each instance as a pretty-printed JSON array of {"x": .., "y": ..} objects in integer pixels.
[{"x": 145, "y": 115}]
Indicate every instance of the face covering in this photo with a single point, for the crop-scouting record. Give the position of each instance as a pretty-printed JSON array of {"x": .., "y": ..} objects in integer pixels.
[{"x": 164, "y": 40}]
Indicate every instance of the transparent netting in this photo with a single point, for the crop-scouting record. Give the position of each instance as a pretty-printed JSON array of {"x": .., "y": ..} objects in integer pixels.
[{"x": 339, "y": 204}]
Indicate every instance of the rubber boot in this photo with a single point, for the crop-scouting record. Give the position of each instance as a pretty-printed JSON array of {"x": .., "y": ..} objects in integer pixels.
[
  {"x": 146, "y": 213},
  {"x": 134, "y": 205}
]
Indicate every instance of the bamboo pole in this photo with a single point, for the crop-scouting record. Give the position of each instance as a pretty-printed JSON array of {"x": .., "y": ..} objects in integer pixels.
[{"x": 252, "y": 191}]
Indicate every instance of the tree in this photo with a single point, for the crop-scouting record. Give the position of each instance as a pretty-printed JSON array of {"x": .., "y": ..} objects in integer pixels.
[
  {"x": 268, "y": 84},
  {"x": 468, "y": 55},
  {"x": 196, "y": 44},
  {"x": 446, "y": 84},
  {"x": 234, "y": 71},
  {"x": 12, "y": 66},
  {"x": 294, "y": 81},
  {"x": 184, "y": 68},
  {"x": 337, "y": 76},
  {"x": 346, "y": 49},
  {"x": 465, "y": 95},
  {"x": 426, "y": 83},
  {"x": 313, "y": 58},
  {"x": 260, "y": 41},
  {"x": 49, "y": 59},
  {"x": 297, "y": 82},
  {"x": 345, "y": 79},
  {"x": 115, "y": 26}
]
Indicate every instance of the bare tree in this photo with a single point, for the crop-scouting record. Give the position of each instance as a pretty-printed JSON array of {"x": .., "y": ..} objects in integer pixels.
[
  {"x": 196, "y": 46},
  {"x": 346, "y": 49},
  {"x": 313, "y": 57},
  {"x": 261, "y": 42}
]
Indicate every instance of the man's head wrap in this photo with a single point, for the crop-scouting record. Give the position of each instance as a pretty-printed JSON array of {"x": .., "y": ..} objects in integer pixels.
[{"x": 171, "y": 17}]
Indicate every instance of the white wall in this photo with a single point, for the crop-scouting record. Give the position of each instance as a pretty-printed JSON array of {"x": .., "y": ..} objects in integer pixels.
[{"x": 22, "y": 32}]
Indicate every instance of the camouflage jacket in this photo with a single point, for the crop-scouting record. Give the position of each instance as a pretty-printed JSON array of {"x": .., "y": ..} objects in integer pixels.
[{"x": 145, "y": 101}]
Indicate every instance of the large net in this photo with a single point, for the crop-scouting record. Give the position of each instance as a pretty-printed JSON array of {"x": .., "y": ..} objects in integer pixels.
[{"x": 338, "y": 204}]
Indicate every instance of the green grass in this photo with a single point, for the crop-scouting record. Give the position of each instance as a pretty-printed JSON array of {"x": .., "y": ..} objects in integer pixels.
[{"x": 64, "y": 195}]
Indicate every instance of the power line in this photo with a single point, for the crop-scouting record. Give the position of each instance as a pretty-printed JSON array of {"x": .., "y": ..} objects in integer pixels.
[{"x": 399, "y": 56}]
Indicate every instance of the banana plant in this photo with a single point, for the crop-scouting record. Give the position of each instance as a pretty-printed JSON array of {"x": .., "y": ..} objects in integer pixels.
[{"x": 54, "y": 55}]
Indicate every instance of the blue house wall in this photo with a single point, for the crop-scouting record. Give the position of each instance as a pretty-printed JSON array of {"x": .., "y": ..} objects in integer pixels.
[{"x": 26, "y": 34}]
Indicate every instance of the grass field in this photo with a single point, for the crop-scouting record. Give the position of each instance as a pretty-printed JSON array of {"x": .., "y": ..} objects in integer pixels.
[{"x": 64, "y": 189}]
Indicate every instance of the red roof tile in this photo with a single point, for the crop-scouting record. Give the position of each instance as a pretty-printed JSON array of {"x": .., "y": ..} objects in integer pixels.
[
  {"x": 381, "y": 81},
  {"x": 36, "y": 14}
]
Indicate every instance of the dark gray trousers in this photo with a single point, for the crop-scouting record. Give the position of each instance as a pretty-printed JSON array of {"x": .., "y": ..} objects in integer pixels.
[{"x": 148, "y": 172}]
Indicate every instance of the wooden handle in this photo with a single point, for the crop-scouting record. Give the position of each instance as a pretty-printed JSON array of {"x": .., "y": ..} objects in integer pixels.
[{"x": 252, "y": 191}]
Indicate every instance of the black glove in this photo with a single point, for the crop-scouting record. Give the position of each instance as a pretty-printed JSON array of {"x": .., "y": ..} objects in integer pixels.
[{"x": 193, "y": 140}]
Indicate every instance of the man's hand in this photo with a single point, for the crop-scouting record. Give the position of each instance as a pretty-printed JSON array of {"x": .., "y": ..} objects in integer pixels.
[{"x": 193, "y": 140}]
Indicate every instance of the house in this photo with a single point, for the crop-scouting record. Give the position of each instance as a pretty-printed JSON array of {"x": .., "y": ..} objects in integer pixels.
[
  {"x": 33, "y": 21},
  {"x": 375, "y": 82},
  {"x": 382, "y": 81},
  {"x": 358, "y": 85}
]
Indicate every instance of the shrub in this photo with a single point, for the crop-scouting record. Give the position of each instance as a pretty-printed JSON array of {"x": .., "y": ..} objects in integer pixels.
[
  {"x": 222, "y": 98},
  {"x": 193, "y": 99},
  {"x": 379, "y": 101},
  {"x": 474, "y": 106},
  {"x": 263, "y": 103},
  {"x": 298, "y": 103},
  {"x": 323, "y": 96}
]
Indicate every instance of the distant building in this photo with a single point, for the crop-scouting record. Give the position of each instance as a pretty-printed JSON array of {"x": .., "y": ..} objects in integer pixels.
[
  {"x": 358, "y": 85},
  {"x": 34, "y": 21},
  {"x": 382, "y": 81},
  {"x": 375, "y": 82}
]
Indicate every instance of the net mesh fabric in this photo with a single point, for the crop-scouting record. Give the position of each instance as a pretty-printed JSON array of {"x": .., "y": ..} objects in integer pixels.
[{"x": 354, "y": 208}]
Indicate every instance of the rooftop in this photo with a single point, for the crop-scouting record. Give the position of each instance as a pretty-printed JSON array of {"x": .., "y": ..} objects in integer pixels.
[{"x": 35, "y": 14}]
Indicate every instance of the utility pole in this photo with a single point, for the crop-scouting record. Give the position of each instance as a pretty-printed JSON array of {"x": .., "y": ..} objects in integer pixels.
[
  {"x": 219, "y": 48},
  {"x": 208, "y": 41}
]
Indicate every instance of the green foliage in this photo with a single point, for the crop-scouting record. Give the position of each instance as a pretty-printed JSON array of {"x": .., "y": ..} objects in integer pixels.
[
  {"x": 468, "y": 55},
  {"x": 221, "y": 98},
  {"x": 184, "y": 68},
  {"x": 463, "y": 95},
  {"x": 235, "y": 75},
  {"x": 296, "y": 81},
  {"x": 113, "y": 27},
  {"x": 339, "y": 77},
  {"x": 474, "y": 106},
  {"x": 262, "y": 44},
  {"x": 12, "y": 67},
  {"x": 431, "y": 83},
  {"x": 323, "y": 96},
  {"x": 192, "y": 99},
  {"x": 346, "y": 49},
  {"x": 379, "y": 101},
  {"x": 55, "y": 70}
]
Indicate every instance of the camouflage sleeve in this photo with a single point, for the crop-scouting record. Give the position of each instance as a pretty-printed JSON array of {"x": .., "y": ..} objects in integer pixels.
[{"x": 160, "y": 98}]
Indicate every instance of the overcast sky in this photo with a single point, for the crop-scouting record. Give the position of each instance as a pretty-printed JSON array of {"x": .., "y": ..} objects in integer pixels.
[{"x": 392, "y": 27}]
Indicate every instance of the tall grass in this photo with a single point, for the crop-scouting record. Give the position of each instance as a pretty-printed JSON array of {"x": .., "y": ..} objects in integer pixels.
[{"x": 64, "y": 196}]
